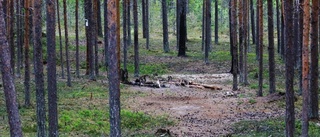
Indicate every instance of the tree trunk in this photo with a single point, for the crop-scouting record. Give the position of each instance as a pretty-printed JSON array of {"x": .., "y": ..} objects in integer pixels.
[
  {"x": 129, "y": 22},
  {"x": 10, "y": 32},
  {"x": 66, "y": 42},
  {"x": 19, "y": 36},
  {"x": 203, "y": 25},
  {"x": 95, "y": 36},
  {"x": 26, "y": 53},
  {"x": 182, "y": 30},
  {"x": 208, "y": 30},
  {"x": 114, "y": 67},
  {"x": 288, "y": 21},
  {"x": 136, "y": 42},
  {"x": 272, "y": 79},
  {"x": 282, "y": 48},
  {"x": 106, "y": 34},
  {"x": 260, "y": 44},
  {"x": 246, "y": 41},
  {"x": 241, "y": 40},
  {"x": 144, "y": 22},
  {"x": 90, "y": 34},
  {"x": 253, "y": 30},
  {"x": 60, "y": 40},
  {"x": 165, "y": 27},
  {"x": 314, "y": 73},
  {"x": 235, "y": 44},
  {"x": 124, "y": 26},
  {"x": 99, "y": 20},
  {"x": 38, "y": 68},
  {"x": 51, "y": 73},
  {"x": 300, "y": 28},
  {"x": 77, "y": 39},
  {"x": 147, "y": 24},
  {"x": 305, "y": 67},
  {"x": 8, "y": 82},
  {"x": 216, "y": 24},
  {"x": 278, "y": 26},
  {"x": 178, "y": 10}
]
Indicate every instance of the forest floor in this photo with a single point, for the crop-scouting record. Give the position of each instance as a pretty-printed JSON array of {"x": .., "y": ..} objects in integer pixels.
[{"x": 203, "y": 112}]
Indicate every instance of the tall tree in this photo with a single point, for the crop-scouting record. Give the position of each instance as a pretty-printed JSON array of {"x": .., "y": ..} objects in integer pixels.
[
  {"x": 246, "y": 40},
  {"x": 51, "y": 68},
  {"x": 290, "y": 118},
  {"x": 99, "y": 20},
  {"x": 260, "y": 43},
  {"x": 203, "y": 25},
  {"x": 8, "y": 82},
  {"x": 216, "y": 23},
  {"x": 241, "y": 40},
  {"x": 38, "y": 68},
  {"x": 10, "y": 32},
  {"x": 253, "y": 28},
  {"x": 136, "y": 42},
  {"x": 106, "y": 33},
  {"x": 19, "y": 36},
  {"x": 299, "y": 39},
  {"x": 272, "y": 79},
  {"x": 114, "y": 67},
  {"x": 182, "y": 28},
  {"x": 66, "y": 42},
  {"x": 305, "y": 67},
  {"x": 90, "y": 36},
  {"x": 60, "y": 40},
  {"x": 147, "y": 24},
  {"x": 278, "y": 25},
  {"x": 234, "y": 44},
  {"x": 208, "y": 30},
  {"x": 26, "y": 53},
  {"x": 165, "y": 26},
  {"x": 95, "y": 36},
  {"x": 144, "y": 21},
  {"x": 314, "y": 73},
  {"x": 77, "y": 38},
  {"x": 125, "y": 33}
]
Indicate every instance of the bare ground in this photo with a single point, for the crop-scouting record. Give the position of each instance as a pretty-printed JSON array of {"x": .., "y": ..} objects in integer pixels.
[{"x": 203, "y": 112}]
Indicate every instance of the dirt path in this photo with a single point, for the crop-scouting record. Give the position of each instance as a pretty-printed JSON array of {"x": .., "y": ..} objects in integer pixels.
[{"x": 205, "y": 112}]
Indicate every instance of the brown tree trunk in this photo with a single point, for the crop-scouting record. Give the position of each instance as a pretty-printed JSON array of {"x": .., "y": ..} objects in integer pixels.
[
  {"x": 272, "y": 79},
  {"x": 66, "y": 42},
  {"x": 305, "y": 67},
  {"x": 314, "y": 73},
  {"x": 95, "y": 36},
  {"x": 106, "y": 33},
  {"x": 182, "y": 29},
  {"x": 26, "y": 53},
  {"x": 246, "y": 41},
  {"x": 114, "y": 67},
  {"x": 260, "y": 44},
  {"x": 144, "y": 28},
  {"x": 241, "y": 40},
  {"x": 253, "y": 28},
  {"x": 125, "y": 33},
  {"x": 136, "y": 42},
  {"x": 288, "y": 21},
  {"x": 147, "y": 24},
  {"x": 99, "y": 20},
  {"x": 216, "y": 24},
  {"x": 278, "y": 25},
  {"x": 19, "y": 36},
  {"x": 77, "y": 38},
  {"x": 208, "y": 30},
  {"x": 60, "y": 40},
  {"x": 10, "y": 32},
  {"x": 165, "y": 26},
  {"x": 234, "y": 44},
  {"x": 51, "y": 73},
  {"x": 8, "y": 82}
]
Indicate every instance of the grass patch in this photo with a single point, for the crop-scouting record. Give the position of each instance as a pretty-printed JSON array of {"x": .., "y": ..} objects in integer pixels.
[
  {"x": 271, "y": 127},
  {"x": 147, "y": 69}
]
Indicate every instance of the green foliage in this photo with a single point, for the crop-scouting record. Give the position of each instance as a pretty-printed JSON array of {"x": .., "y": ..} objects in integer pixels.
[{"x": 270, "y": 127}]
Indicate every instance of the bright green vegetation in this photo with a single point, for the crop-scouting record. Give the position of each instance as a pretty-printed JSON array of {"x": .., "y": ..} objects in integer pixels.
[{"x": 270, "y": 127}]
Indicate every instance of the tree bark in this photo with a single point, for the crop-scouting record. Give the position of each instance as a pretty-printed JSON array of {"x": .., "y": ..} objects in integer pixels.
[
  {"x": 26, "y": 53},
  {"x": 77, "y": 38},
  {"x": 272, "y": 79},
  {"x": 216, "y": 24},
  {"x": 260, "y": 44},
  {"x": 95, "y": 36},
  {"x": 106, "y": 34},
  {"x": 165, "y": 27},
  {"x": 246, "y": 41},
  {"x": 314, "y": 73},
  {"x": 90, "y": 34},
  {"x": 136, "y": 42},
  {"x": 182, "y": 30},
  {"x": 241, "y": 40},
  {"x": 278, "y": 26},
  {"x": 234, "y": 44},
  {"x": 124, "y": 26},
  {"x": 38, "y": 68},
  {"x": 144, "y": 23},
  {"x": 147, "y": 24},
  {"x": 51, "y": 69},
  {"x": 208, "y": 31},
  {"x": 99, "y": 20},
  {"x": 66, "y": 42},
  {"x": 60, "y": 40},
  {"x": 8, "y": 82},
  {"x": 10, "y": 32},
  {"x": 288, "y": 21},
  {"x": 253, "y": 30},
  {"x": 114, "y": 67},
  {"x": 19, "y": 36}
]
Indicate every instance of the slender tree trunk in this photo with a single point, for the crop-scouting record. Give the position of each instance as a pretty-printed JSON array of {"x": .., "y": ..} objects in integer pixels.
[
  {"x": 305, "y": 67},
  {"x": 288, "y": 21},
  {"x": 106, "y": 33},
  {"x": 296, "y": 32},
  {"x": 8, "y": 82},
  {"x": 300, "y": 37},
  {"x": 178, "y": 10},
  {"x": 231, "y": 35},
  {"x": 314, "y": 73},
  {"x": 165, "y": 26},
  {"x": 38, "y": 68},
  {"x": 253, "y": 30},
  {"x": 235, "y": 44},
  {"x": 208, "y": 30},
  {"x": 278, "y": 26},
  {"x": 124, "y": 26},
  {"x": 77, "y": 39},
  {"x": 136, "y": 42},
  {"x": 216, "y": 24},
  {"x": 241, "y": 40},
  {"x": 60, "y": 40},
  {"x": 19, "y": 37},
  {"x": 147, "y": 24},
  {"x": 246, "y": 41},
  {"x": 257, "y": 37},
  {"x": 114, "y": 67},
  {"x": 203, "y": 25},
  {"x": 66, "y": 42},
  {"x": 51, "y": 73},
  {"x": 260, "y": 44},
  {"x": 26, "y": 53},
  {"x": 10, "y": 32},
  {"x": 272, "y": 79},
  {"x": 129, "y": 22},
  {"x": 282, "y": 48},
  {"x": 95, "y": 36},
  {"x": 144, "y": 28},
  {"x": 90, "y": 34},
  {"x": 99, "y": 20}
]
